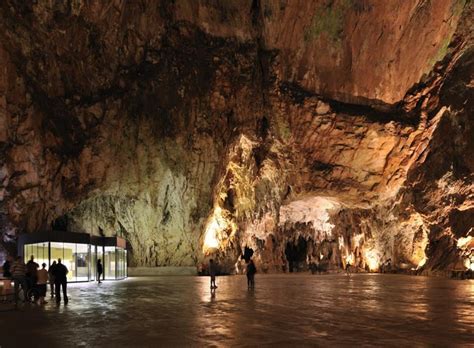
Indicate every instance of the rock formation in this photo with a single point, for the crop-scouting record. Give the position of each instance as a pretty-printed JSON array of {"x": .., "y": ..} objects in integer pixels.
[{"x": 311, "y": 134}]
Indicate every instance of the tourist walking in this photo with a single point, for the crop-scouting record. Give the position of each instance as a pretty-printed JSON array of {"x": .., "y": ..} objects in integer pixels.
[
  {"x": 100, "y": 269},
  {"x": 212, "y": 273},
  {"x": 18, "y": 271},
  {"x": 60, "y": 280},
  {"x": 251, "y": 270},
  {"x": 42, "y": 284},
  {"x": 51, "y": 277}
]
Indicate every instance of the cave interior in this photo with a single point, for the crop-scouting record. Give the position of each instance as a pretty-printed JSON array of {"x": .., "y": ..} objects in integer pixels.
[{"x": 306, "y": 135}]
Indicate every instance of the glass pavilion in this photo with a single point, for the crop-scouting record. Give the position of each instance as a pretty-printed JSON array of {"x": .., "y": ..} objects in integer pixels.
[{"x": 79, "y": 252}]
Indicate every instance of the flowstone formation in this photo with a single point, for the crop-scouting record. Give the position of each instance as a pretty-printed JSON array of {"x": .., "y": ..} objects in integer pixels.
[{"x": 306, "y": 134}]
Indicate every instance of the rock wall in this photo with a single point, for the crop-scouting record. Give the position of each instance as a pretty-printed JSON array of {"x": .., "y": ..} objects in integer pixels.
[{"x": 313, "y": 134}]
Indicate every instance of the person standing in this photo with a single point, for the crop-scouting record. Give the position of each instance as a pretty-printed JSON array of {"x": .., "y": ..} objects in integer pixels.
[
  {"x": 100, "y": 269},
  {"x": 212, "y": 273},
  {"x": 6, "y": 268},
  {"x": 31, "y": 272},
  {"x": 60, "y": 280},
  {"x": 7, "y": 282},
  {"x": 42, "y": 284},
  {"x": 18, "y": 271},
  {"x": 51, "y": 277},
  {"x": 251, "y": 270}
]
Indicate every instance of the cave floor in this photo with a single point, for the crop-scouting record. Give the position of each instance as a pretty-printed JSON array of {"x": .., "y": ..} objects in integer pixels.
[{"x": 283, "y": 310}]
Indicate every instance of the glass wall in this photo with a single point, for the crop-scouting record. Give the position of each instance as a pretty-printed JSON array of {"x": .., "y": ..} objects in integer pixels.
[
  {"x": 109, "y": 262},
  {"x": 115, "y": 262},
  {"x": 93, "y": 262},
  {"x": 75, "y": 257},
  {"x": 56, "y": 251},
  {"x": 80, "y": 259},
  {"x": 83, "y": 263},
  {"x": 39, "y": 251},
  {"x": 121, "y": 263},
  {"x": 68, "y": 260}
]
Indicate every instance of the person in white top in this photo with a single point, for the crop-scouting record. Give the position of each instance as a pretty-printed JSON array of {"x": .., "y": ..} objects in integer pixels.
[{"x": 42, "y": 283}]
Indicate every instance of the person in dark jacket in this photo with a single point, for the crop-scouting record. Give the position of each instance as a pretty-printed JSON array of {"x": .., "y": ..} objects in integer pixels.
[
  {"x": 6, "y": 269},
  {"x": 51, "y": 271},
  {"x": 251, "y": 270},
  {"x": 212, "y": 273},
  {"x": 60, "y": 280},
  {"x": 100, "y": 269},
  {"x": 31, "y": 272}
]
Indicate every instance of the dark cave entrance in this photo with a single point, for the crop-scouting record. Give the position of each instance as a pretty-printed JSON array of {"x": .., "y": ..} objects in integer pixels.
[
  {"x": 229, "y": 202},
  {"x": 60, "y": 224},
  {"x": 296, "y": 253}
]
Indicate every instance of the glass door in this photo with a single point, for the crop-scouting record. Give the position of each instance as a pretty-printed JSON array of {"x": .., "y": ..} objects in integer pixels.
[
  {"x": 82, "y": 262},
  {"x": 93, "y": 263},
  {"x": 110, "y": 262}
]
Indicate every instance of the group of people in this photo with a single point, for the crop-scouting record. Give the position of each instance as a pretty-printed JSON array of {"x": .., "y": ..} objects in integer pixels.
[
  {"x": 250, "y": 272},
  {"x": 31, "y": 276}
]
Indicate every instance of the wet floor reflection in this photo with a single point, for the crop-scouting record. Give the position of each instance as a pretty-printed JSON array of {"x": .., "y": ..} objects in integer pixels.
[{"x": 283, "y": 310}]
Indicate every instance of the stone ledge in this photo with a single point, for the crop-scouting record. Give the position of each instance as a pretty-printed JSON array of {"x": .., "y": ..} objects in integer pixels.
[{"x": 160, "y": 271}]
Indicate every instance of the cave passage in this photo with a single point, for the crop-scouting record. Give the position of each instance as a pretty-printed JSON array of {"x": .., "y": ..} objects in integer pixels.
[{"x": 296, "y": 254}]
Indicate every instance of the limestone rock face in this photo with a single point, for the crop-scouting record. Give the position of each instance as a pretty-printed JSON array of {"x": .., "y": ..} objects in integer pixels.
[{"x": 311, "y": 134}]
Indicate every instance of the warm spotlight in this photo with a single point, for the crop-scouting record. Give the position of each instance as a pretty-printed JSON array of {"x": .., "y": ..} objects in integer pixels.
[{"x": 372, "y": 260}]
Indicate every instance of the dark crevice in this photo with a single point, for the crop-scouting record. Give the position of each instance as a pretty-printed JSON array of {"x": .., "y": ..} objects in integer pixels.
[
  {"x": 295, "y": 253},
  {"x": 229, "y": 202},
  {"x": 318, "y": 166},
  {"x": 260, "y": 153},
  {"x": 263, "y": 126},
  {"x": 372, "y": 110},
  {"x": 60, "y": 224}
]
